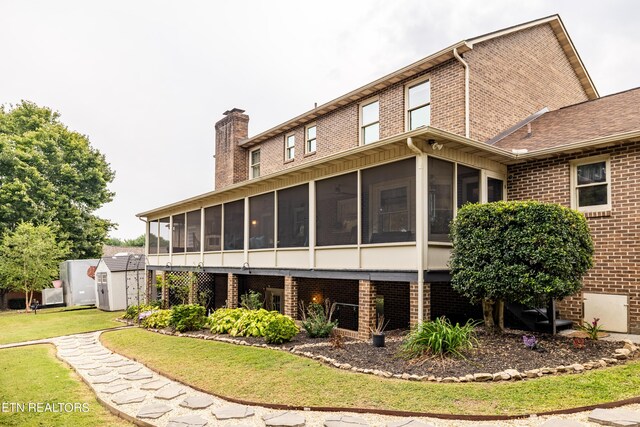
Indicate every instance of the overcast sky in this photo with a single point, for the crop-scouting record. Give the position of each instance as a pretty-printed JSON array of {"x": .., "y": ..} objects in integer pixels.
[{"x": 147, "y": 80}]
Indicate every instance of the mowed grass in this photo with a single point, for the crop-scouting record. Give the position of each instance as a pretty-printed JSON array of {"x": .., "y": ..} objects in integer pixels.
[
  {"x": 269, "y": 376},
  {"x": 17, "y": 327},
  {"x": 33, "y": 374}
]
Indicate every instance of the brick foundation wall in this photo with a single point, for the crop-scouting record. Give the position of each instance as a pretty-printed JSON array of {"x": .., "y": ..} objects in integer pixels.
[
  {"x": 220, "y": 290},
  {"x": 396, "y": 303},
  {"x": 367, "y": 312},
  {"x": 449, "y": 303},
  {"x": 413, "y": 299},
  {"x": 616, "y": 234},
  {"x": 342, "y": 291},
  {"x": 291, "y": 297},
  {"x": 232, "y": 291},
  {"x": 516, "y": 75}
]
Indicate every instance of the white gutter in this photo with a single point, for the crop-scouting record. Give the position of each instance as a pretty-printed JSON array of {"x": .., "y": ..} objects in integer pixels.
[
  {"x": 420, "y": 209},
  {"x": 466, "y": 90}
]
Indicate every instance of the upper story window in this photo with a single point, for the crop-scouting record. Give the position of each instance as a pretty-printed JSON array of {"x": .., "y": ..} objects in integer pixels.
[
  {"x": 419, "y": 105},
  {"x": 591, "y": 183},
  {"x": 370, "y": 122},
  {"x": 289, "y": 147},
  {"x": 254, "y": 164},
  {"x": 310, "y": 145}
]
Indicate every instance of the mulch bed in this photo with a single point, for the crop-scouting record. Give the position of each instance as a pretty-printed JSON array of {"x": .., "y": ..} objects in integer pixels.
[{"x": 494, "y": 353}]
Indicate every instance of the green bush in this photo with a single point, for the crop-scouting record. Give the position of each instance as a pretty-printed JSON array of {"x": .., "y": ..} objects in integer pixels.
[
  {"x": 316, "y": 320},
  {"x": 187, "y": 317},
  {"x": 439, "y": 338},
  {"x": 523, "y": 252},
  {"x": 281, "y": 329},
  {"x": 251, "y": 301},
  {"x": 158, "y": 319},
  {"x": 241, "y": 322}
]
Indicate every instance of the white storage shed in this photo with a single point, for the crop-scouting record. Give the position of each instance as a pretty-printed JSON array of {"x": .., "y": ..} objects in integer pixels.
[{"x": 120, "y": 282}]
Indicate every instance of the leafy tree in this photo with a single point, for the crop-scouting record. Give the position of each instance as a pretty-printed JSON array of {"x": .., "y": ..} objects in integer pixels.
[
  {"x": 29, "y": 258},
  {"x": 138, "y": 241},
  {"x": 521, "y": 252},
  {"x": 51, "y": 175}
]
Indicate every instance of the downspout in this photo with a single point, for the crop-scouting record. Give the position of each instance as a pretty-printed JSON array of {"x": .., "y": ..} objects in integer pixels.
[
  {"x": 466, "y": 90},
  {"x": 420, "y": 247}
]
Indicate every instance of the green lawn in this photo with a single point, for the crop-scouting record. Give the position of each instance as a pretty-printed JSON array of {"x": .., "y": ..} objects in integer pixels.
[
  {"x": 33, "y": 374},
  {"x": 263, "y": 375},
  {"x": 16, "y": 327}
]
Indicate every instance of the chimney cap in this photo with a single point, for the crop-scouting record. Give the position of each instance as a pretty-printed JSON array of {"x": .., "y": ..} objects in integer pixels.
[{"x": 233, "y": 110}]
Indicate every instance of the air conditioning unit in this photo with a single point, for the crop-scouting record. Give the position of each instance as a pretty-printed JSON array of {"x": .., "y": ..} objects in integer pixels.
[{"x": 52, "y": 296}]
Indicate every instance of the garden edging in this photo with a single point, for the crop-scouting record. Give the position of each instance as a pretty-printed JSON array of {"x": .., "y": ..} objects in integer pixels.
[{"x": 629, "y": 351}]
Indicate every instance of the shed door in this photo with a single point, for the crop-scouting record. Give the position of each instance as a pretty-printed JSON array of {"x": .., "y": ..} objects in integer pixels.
[
  {"x": 612, "y": 310},
  {"x": 103, "y": 291}
]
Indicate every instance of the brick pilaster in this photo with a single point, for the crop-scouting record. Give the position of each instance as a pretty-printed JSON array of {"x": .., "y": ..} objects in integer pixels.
[
  {"x": 367, "y": 308},
  {"x": 165, "y": 290},
  {"x": 413, "y": 303},
  {"x": 291, "y": 297},
  {"x": 232, "y": 291},
  {"x": 149, "y": 285}
]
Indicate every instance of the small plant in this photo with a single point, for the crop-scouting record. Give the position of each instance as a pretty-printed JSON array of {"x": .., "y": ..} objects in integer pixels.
[
  {"x": 592, "y": 329},
  {"x": 187, "y": 317},
  {"x": 157, "y": 319},
  {"x": 439, "y": 338},
  {"x": 251, "y": 301},
  {"x": 578, "y": 342},
  {"x": 530, "y": 342},
  {"x": 337, "y": 340},
  {"x": 380, "y": 325},
  {"x": 316, "y": 319},
  {"x": 281, "y": 329}
]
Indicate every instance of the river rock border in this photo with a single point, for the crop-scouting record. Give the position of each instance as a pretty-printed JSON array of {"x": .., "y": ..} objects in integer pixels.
[{"x": 629, "y": 351}]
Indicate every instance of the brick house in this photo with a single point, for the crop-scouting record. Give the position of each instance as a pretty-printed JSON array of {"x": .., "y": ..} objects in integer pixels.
[{"x": 351, "y": 201}]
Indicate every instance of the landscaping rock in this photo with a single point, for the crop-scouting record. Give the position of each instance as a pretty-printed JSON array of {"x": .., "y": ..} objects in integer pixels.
[
  {"x": 154, "y": 411},
  {"x": 154, "y": 385},
  {"x": 483, "y": 377},
  {"x": 610, "y": 361},
  {"x": 622, "y": 353},
  {"x": 615, "y": 417},
  {"x": 449, "y": 380},
  {"x": 513, "y": 374},
  {"x": 233, "y": 412},
  {"x": 117, "y": 388},
  {"x": 133, "y": 397},
  {"x": 533, "y": 373},
  {"x": 345, "y": 421},
  {"x": 197, "y": 402},
  {"x": 168, "y": 393},
  {"x": 409, "y": 423},
  {"x": 284, "y": 419},
  {"x": 405, "y": 376},
  {"x": 187, "y": 421},
  {"x": 501, "y": 376},
  {"x": 560, "y": 422},
  {"x": 577, "y": 367}
]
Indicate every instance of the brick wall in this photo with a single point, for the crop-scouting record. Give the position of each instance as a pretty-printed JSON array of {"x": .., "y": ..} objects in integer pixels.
[
  {"x": 220, "y": 290},
  {"x": 616, "y": 234},
  {"x": 396, "y": 303},
  {"x": 367, "y": 311},
  {"x": 341, "y": 291},
  {"x": 514, "y": 76},
  {"x": 413, "y": 299}
]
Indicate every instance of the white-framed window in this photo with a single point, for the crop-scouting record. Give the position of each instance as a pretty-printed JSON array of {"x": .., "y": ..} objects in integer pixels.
[
  {"x": 310, "y": 139},
  {"x": 254, "y": 163},
  {"x": 591, "y": 184},
  {"x": 369, "y": 121},
  {"x": 418, "y": 97},
  {"x": 289, "y": 147}
]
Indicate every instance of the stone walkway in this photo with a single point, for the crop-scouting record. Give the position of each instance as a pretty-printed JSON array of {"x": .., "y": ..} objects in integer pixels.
[{"x": 151, "y": 398}]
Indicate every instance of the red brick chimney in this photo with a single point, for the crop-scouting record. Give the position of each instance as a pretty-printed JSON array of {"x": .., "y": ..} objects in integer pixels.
[{"x": 231, "y": 160}]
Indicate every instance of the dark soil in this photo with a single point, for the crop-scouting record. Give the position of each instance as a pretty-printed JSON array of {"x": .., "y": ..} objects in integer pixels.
[
  {"x": 298, "y": 340},
  {"x": 494, "y": 353}
]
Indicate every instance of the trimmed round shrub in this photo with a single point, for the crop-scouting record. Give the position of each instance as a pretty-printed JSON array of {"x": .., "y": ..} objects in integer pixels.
[
  {"x": 280, "y": 330},
  {"x": 523, "y": 252},
  {"x": 187, "y": 317}
]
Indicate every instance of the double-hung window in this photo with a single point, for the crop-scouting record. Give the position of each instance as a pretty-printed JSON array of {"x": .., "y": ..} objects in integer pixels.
[
  {"x": 370, "y": 122},
  {"x": 591, "y": 184},
  {"x": 418, "y": 105},
  {"x": 289, "y": 147},
  {"x": 254, "y": 164},
  {"x": 310, "y": 145}
]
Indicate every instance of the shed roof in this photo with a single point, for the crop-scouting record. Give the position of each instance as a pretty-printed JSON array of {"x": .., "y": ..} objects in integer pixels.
[{"x": 124, "y": 263}]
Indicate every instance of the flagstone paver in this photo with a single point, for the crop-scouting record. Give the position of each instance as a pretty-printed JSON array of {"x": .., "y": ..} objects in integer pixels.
[
  {"x": 233, "y": 411},
  {"x": 105, "y": 380},
  {"x": 197, "y": 402},
  {"x": 132, "y": 397},
  {"x": 139, "y": 376},
  {"x": 615, "y": 417},
  {"x": 154, "y": 410},
  {"x": 284, "y": 419},
  {"x": 99, "y": 372},
  {"x": 154, "y": 385},
  {"x": 187, "y": 421},
  {"x": 116, "y": 388},
  {"x": 345, "y": 421},
  {"x": 129, "y": 369},
  {"x": 168, "y": 393},
  {"x": 119, "y": 364}
]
